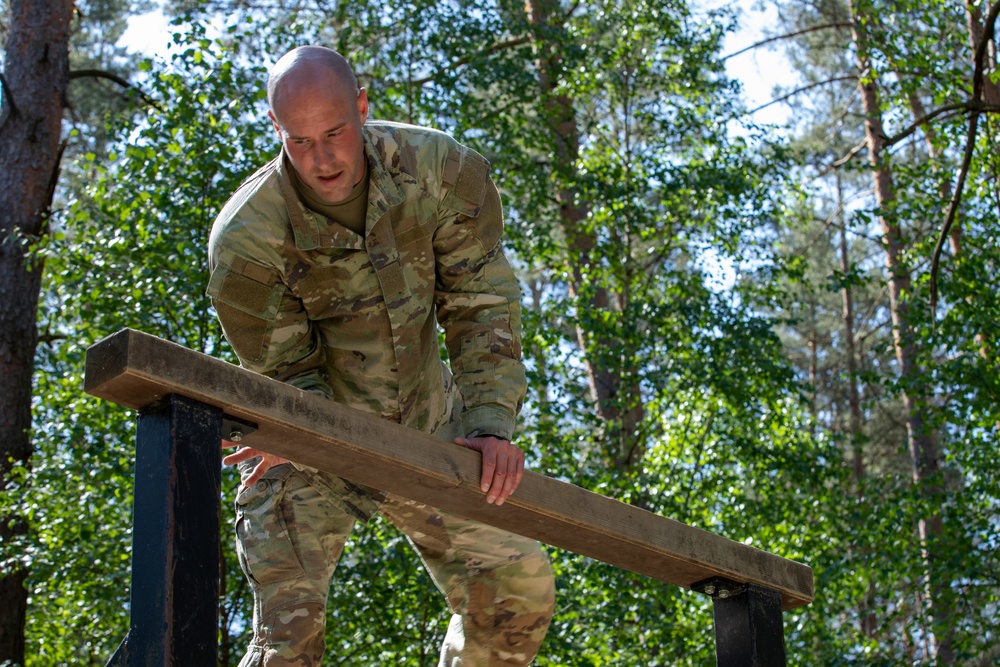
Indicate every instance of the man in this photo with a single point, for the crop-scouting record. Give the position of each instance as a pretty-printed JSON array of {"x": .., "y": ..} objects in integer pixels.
[{"x": 331, "y": 268}]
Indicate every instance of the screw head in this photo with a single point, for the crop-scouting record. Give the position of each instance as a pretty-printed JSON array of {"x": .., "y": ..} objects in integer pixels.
[
  {"x": 724, "y": 593},
  {"x": 709, "y": 590},
  {"x": 236, "y": 436}
]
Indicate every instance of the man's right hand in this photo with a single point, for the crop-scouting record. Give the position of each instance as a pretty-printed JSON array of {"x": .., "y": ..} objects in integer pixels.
[
  {"x": 503, "y": 466},
  {"x": 267, "y": 461}
]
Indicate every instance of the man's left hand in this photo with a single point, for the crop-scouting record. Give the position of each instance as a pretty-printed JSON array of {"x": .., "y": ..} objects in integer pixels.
[
  {"x": 503, "y": 466},
  {"x": 267, "y": 461}
]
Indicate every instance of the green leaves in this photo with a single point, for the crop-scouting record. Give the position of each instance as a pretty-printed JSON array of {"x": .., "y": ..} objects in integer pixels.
[
  {"x": 684, "y": 332},
  {"x": 884, "y": 378},
  {"x": 129, "y": 250}
]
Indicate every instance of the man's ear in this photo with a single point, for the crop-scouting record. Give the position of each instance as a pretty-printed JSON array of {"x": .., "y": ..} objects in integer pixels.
[
  {"x": 362, "y": 105},
  {"x": 274, "y": 123}
]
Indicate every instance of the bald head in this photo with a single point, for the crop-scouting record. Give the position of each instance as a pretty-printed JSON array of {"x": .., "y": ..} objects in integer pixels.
[
  {"x": 309, "y": 67},
  {"x": 319, "y": 113}
]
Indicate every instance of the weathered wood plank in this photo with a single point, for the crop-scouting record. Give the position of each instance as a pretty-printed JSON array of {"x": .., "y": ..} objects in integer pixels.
[{"x": 135, "y": 369}]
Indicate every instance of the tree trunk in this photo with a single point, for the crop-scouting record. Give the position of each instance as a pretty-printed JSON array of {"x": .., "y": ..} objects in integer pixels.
[
  {"x": 619, "y": 406},
  {"x": 866, "y": 609},
  {"x": 991, "y": 95},
  {"x": 974, "y": 22},
  {"x": 34, "y": 90},
  {"x": 922, "y": 442}
]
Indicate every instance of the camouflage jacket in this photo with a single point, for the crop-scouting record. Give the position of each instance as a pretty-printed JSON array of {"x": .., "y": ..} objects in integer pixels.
[{"x": 307, "y": 301}]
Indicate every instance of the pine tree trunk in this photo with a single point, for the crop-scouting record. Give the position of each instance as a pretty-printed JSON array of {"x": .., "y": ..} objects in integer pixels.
[
  {"x": 34, "y": 90},
  {"x": 619, "y": 406},
  {"x": 922, "y": 441}
]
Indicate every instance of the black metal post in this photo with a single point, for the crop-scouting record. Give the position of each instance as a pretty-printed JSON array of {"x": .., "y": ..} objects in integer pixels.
[
  {"x": 175, "y": 538},
  {"x": 748, "y": 626}
]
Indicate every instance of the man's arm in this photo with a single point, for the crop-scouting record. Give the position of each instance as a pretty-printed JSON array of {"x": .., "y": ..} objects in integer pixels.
[
  {"x": 478, "y": 304},
  {"x": 270, "y": 332}
]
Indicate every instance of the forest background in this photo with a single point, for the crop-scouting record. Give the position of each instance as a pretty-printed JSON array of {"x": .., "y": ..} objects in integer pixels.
[{"x": 786, "y": 336}]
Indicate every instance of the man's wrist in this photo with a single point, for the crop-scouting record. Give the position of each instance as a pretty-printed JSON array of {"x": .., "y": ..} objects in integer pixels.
[{"x": 488, "y": 420}]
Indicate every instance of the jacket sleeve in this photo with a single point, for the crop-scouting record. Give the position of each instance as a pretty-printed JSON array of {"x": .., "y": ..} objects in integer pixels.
[
  {"x": 478, "y": 297},
  {"x": 265, "y": 323}
]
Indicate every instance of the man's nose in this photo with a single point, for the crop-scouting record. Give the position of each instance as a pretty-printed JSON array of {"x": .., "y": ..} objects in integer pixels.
[{"x": 324, "y": 155}]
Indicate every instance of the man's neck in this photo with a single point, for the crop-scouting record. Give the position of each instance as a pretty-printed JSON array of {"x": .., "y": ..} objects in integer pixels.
[{"x": 351, "y": 212}]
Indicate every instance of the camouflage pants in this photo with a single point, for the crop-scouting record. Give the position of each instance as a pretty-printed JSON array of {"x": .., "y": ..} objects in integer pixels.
[{"x": 291, "y": 528}]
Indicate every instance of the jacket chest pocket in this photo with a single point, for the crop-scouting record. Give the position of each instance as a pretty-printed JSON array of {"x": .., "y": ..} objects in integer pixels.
[
  {"x": 415, "y": 244},
  {"x": 337, "y": 283}
]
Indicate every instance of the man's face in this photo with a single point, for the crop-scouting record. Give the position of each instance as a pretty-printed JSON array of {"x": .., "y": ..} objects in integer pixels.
[{"x": 320, "y": 127}]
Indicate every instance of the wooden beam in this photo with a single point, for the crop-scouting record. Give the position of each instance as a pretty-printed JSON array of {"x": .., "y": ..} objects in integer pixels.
[{"x": 135, "y": 369}]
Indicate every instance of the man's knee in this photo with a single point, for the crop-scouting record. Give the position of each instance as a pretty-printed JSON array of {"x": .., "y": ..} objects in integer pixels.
[
  {"x": 526, "y": 596},
  {"x": 508, "y": 610},
  {"x": 289, "y": 637}
]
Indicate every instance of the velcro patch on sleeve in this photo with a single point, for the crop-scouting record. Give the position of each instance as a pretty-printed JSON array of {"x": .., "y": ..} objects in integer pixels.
[
  {"x": 466, "y": 174},
  {"x": 257, "y": 294},
  {"x": 246, "y": 297},
  {"x": 489, "y": 225}
]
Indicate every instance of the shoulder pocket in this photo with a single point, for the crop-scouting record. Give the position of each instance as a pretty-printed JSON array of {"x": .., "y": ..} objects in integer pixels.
[
  {"x": 247, "y": 305},
  {"x": 466, "y": 175},
  {"x": 252, "y": 289}
]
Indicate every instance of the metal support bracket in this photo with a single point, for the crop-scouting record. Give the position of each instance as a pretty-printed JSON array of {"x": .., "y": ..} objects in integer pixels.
[
  {"x": 235, "y": 429},
  {"x": 719, "y": 588}
]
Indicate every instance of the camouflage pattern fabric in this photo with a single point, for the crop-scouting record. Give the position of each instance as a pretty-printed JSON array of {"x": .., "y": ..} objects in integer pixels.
[
  {"x": 304, "y": 299},
  {"x": 307, "y": 301},
  {"x": 291, "y": 534}
]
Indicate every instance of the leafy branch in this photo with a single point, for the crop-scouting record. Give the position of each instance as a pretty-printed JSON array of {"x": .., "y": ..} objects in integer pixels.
[
  {"x": 102, "y": 74},
  {"x": 972, "y": 105},
  {"x": 494, "y": 48},
  {"x": 967, "y": 106},
  {"x": 970, "y": 144},
  {"x": 461, "y": 62}
]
